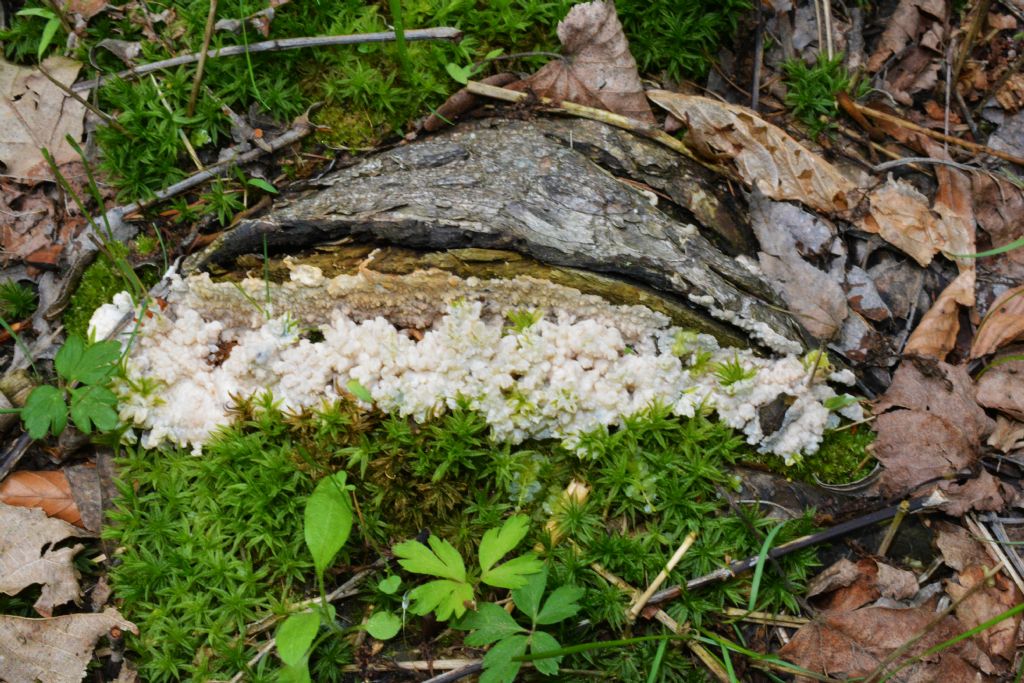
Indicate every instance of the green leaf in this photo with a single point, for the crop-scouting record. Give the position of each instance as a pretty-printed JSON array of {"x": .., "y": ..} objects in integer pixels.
[
  {"x": 90, "y": 364},
  {"x": 36, "y": 12},
  {"x": 263, "y": 185},
  {"x": 359, "y": 391},
  {"x": 562, "y": 604},
  {"x": 93, "y": 405},
  {"x": 389, "y": 585},
  {"x": 489, "y": 623},
  {"x": 755, "y": 584},
  {"x": 1016, "y": 244},
  {"x": 295, "y": 635},
  {"x": 45, "y": 411},
  {"x": 444, "y": 597},
  {"x": 49, "y": 31},
  {"x": 528, "y": 596},
  {"x": 497, "y": 543},
  {"x": 513, "y": 573},
  {"x": 499, "y": 664},
  {"x": 542, "y": 642},
  {"x": 494, "y": 53},
  {"x": 839, "y": 402},
  {"x": 444, "y": 561},
  {"x": 328, "y": 520},
  {"x": 70, "y": 356},
  {"x": 295, "y": 673},
  {"x": 461, "y": 74},
  {"x": 383, "y": 625}
]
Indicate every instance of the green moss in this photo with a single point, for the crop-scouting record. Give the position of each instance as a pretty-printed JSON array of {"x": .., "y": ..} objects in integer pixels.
[
  {"x": 842, "y": 458},
  {"x": 100, "y": 282}
]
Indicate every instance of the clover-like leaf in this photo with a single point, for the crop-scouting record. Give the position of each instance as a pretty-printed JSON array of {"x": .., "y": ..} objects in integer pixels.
[
  {"x": 541, "y": 642},
  {"x": 45, "y": 411},
  {"x": 499, "y": 662},
  {"x": 440, "y": 559},
  {"x": 497, "y": 543},
  {"x": 444, "y": 597},
  {"x": 93, "y": 405},
  {"x": 389, "y": 585},
  {"x": 528, "y": 596},
  {"x": 328, "y": 520},
  {"x": 383, "y": 625},
  {"x": 87, "y": 363},
  {"x": 489, "y": 623},
  {"x": 561, "y": 604},
  {"x": 513, "y": 573}
]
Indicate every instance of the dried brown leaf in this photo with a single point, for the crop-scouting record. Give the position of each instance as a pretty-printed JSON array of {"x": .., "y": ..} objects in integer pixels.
[
  {"x": 1008, "y": 436},
  {"x": 86, "y": 9},
  {"x": 36, "y": 114},
  {"x": 847, "y": 585},
  {"x": 958, "y": 547},
  {"x": 853, "y": 643},
  {"x": 56, "y": 650},
  {"x": 27, "y": 556},
  {"x": 47, "y": 490},
  {"x": 1003, "y": 323},
  {"x": 764, "y": 156},
  {"x": 952, "y": 202},
  {"x": 999, "y": 210},
  {"x": 1002, "y": 389},
  {"x": 989, "y": 601},
  {"x": 910, "y": 20},
  {"x": 598, "y": 69},
  {"x": 935, "y": 335},
  {"x": 901, "y": 216}
]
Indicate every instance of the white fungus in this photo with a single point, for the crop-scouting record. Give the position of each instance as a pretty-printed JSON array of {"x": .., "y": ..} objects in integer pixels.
[{"x": 556, "y": 378}]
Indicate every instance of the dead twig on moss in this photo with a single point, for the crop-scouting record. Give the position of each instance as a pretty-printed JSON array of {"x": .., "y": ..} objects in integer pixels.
[{"x": 442, "y": 33}]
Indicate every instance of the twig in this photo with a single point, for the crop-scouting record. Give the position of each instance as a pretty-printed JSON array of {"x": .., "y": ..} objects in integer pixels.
[
  {"x": 202, "y": 57},
  {"x": 110, "y": 120},
  {"x": 765, "y": 618},
  {"x": 909, "y": 161},
  {"x": 994, "y": 548},
  {"x": 755, "y": 85},
  {"x": 617, "y": 120},
  {"x": 981, "y": 14},
  {"x": 443, "y": 33},
  {"x": 894, "y": 526},
  {"x": 638, "y": 604},
  {"x": 909, "y": 125},
  {"x": 457, "y": 674}
]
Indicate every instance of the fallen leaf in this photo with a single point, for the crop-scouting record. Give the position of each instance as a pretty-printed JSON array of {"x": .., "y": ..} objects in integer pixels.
[
  {"x": 36, "y": 114},
  {"x": 853, "y": 643},
  {"x": 1001, "y": 22},
  {"x": 983, "y": 492},
  {"x": 999, "y": 595},
  {"x": 953, "y": 204},
  {"x": 935, "y": 335},
  {"x": 910, "y": 20},
  {"x": 1008, "y": 436},
  {"x": 916, "y": 71},
  {"x": 850, "y": 585},
  {"x": 863, "y": 296},
  {"x": 47, "y": 490},
  {"x": 1011, "y": 96},
  {"x": 27, "y": 556},
  {"x": 938, "y": 388},
  {"x": 816, "y": 300},
  {"x": 56, "y": 650},
  {"x": 902, "y": 217},
  {"x": 598, "y": 69},
  {"x": 86, "y": 9},
  {"x": 999, "y": 210},
  {"x": 958, "y": 547},
  {"x": 1002, "y": 389},
  {"x": 764, "y": 156},
  {"x": 1003, "y": 323}
]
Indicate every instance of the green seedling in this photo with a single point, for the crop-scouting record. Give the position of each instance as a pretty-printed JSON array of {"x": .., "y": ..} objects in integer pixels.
[
  {"x": 491, "y": 625},
  {"x": 463, "y": 74},
  {"x": 17, "y": 301},
  {"x": 83, "y": 372},
  {"x": 49, "y": 30},
  {"x": 812, "y": 90},
  {"x": 731, "y": 372},
  {"x": 452, "y": 591},
  {"x": 520, "y": 320}
]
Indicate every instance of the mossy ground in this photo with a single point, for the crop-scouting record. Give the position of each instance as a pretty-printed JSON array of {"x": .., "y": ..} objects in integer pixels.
[
  {"x": 100, "y": 282},
  {"x": 211, "y": 544}
]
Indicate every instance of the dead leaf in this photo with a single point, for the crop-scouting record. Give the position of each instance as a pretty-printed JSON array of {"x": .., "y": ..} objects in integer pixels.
[
  {"x": 1008, "y": 436},
  {"x": 1003, "y": 323},
  {"x": 816, "y": 300},
  {"x": 764, "y": 156},
  {"x": 983, "y": 492},
  {"x": 901, "y": 216},
  {"x": 86, "y": 9},
  {"x": 929, "y": 427},
  {"x": 910, "y": 20},
  {"x": 27, "y": 556},
  {"x": 1002, "y": 22},
  {"x": 36, "y": 114},
  {"x": 953, "y": 204},
  {"x": 850, "y": 585},
  {"x": 56, "y": 650},
  {"x": 999, "y": 595},
  {"x": 863, "y": 296},
  {"x": 47, "y": 490},
  {"x": 1002, "y": 389},
  {"x": 1011, "y": 96},
  {"x": 916, "y": 71},
  {"x": 935, "y": 335},
  {"x": 999, "y": 210},
  {"x": 598, "y": 69},
  {"x": 958, "y": 547},
  {"x": 853, "y": 643}
]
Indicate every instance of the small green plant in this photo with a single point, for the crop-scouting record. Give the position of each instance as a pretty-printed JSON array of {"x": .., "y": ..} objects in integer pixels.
[
  {"x": 731, "y": 372},
  {"x": 812, "y": 90},
  {"x": 462, "y": 74},
  {"x": 83, "y": 370},
  {"x": 49, "y": 30},
  {"x": 522, "y": 319},
  {"x": 490, "y": 624},
  {"x": 452, "y": 592},
  {"x": 223, "y": 201},
  {"x": 17, "y": 301}
]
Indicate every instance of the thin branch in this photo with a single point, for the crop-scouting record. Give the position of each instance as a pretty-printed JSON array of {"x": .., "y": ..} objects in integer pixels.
[
  {"x": 908, "y": 161},
  {"x": 202, "y": 57},
  {"x": 443, "y": 33}
]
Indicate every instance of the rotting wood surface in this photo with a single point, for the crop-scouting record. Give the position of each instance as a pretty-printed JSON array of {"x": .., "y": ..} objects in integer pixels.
[{"x": 534, "y": 188}]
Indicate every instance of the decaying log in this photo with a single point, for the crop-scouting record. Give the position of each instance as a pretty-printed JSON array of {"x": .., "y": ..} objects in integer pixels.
[{"x": 547, "y": 189}]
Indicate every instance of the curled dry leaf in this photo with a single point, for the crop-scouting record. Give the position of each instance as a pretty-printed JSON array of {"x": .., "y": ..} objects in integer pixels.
[
  {"x": 999, "y": 595},
  {"x": 36, "y": 114},
  {"x": 764, "y": 156},
  {"x": 900, "y": 215},
  {"x": 958, "y": 547},
  {"x": 847, "y": 585},
  {"x": 1008, "y": 436},
  {"x": 1002, "y": 389},
  {"x": 999, "y": 210},
  {"x": 935, "y": 335},
  {"x": 1003, "y": 323},
  {"x": 46, "y": 490},
  {"x": 56, "y": 650},
  {"x": 598, "y": 69},
  {"x": 955, "y": 226},
  {"x": 910, "y": 20},
  {"x": 28, "y": 556}
]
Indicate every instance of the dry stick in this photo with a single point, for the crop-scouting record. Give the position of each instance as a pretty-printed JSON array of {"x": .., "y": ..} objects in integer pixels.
[
  {"x": 929, "y": 627},
  {"x": 999, "y": 533},
  {"x": 202, "y": 57},
  {"x": 909, "y": 125},
  {"x": 110, "y": 120},
  {"x": 894, "y": 526},
  {"x": 442, "y": 33},
  {"x": 994, "y": 548},
  {"x": 765, "y": 618},
  {"x": 617, "y": 120},
  {"x": 638, "y": 604},
  {"x": 910, "y": 161},
  {"x": 680, "y": 629},
  {"x": 755, "y": 86},
  {"x": 981, "y": 13}
]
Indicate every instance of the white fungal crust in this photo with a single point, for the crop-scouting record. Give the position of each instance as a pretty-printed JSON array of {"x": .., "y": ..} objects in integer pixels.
[{"x": 559, "y": 377}]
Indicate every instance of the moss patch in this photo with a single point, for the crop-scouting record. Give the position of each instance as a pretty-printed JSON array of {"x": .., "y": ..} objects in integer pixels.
[{"x": 100, "y": 282}]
